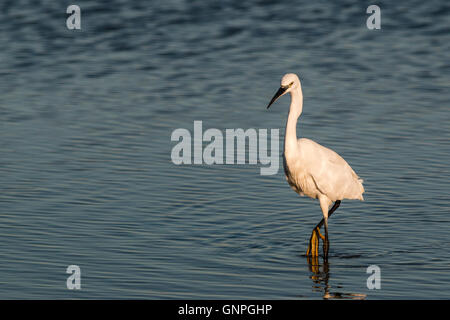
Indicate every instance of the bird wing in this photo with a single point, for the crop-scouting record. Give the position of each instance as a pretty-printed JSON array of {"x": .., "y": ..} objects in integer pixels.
[{"x": 332, "y": 175}]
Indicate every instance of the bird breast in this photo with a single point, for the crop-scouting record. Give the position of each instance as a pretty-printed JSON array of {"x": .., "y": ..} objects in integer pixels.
[{"x": 299, "y": 180}]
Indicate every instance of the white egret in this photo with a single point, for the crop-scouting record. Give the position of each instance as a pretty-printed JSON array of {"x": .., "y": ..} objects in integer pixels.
[{"x": 313, "y": 170}]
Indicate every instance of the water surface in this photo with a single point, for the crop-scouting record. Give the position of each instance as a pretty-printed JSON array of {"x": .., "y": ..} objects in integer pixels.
[{"x": 87, "y": 179}]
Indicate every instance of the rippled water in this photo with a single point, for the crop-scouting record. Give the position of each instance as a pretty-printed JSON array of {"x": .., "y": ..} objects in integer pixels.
[{"x": 87, "y": 179}]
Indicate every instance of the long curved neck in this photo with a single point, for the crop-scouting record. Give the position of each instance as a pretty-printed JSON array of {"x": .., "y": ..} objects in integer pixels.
[{"x": 290, "y": 138}]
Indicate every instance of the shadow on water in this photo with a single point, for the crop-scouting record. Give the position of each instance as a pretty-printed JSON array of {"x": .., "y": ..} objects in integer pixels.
[{"x": 320, "y": 275}]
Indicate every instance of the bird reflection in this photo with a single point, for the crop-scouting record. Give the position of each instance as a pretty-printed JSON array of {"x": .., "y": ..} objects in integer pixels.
[{"x": 320, "y": 277}]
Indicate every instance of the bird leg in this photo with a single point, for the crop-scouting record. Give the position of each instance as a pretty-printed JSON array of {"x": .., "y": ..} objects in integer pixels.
[
  {"x": 326, "y": 242},
  {"x": 313, "y": 248}
]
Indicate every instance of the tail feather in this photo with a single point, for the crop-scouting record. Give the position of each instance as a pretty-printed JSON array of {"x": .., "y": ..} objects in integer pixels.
[{"x": 361, "y": 189}]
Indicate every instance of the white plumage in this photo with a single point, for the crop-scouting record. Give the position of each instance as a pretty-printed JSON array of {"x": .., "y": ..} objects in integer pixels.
[
  {"x": 316, "y": 171},
  {"x": 311, "y": 169}
]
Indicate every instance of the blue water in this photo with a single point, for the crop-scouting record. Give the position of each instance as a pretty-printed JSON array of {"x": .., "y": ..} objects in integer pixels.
[{"x": 86, "y": 174}]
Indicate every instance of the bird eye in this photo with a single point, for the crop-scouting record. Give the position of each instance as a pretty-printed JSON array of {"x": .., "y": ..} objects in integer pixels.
[{"x": 290, "y": 84}]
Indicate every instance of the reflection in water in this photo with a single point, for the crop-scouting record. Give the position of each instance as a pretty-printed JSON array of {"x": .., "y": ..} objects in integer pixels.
[{"x": 321, "y": 275}]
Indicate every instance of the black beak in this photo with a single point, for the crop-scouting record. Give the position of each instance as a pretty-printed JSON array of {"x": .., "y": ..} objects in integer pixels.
[{"x": 277, "y": 95}]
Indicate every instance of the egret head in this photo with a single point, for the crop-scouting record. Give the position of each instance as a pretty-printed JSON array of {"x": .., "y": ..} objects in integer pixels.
[{"x": 289, "y": 82}]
